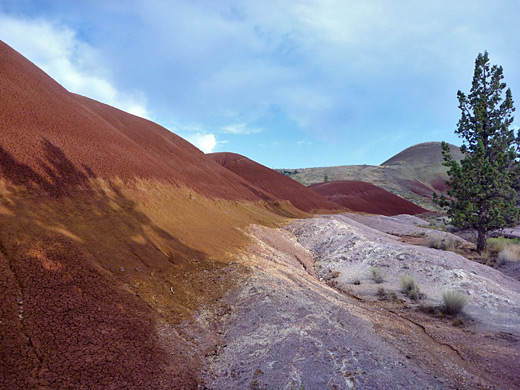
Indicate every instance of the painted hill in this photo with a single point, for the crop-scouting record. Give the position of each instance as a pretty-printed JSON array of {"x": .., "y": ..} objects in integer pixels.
[
  {"x": 414, "y": 174},
  {"x": 424, "y": 153},
  {"x": 365, "y": 197},
  {"x": 114, "y": 230},
  {"x": 274, "y": 182}
]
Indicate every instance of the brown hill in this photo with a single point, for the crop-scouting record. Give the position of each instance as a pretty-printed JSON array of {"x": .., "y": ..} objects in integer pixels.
[
  {"x": 365, "y": 197},
  {"x": 274, "y": 182},
  {"x": 114, "y": 230},
  {"x": 426, "y": 153},
  {"x": 414, "y": 174}
]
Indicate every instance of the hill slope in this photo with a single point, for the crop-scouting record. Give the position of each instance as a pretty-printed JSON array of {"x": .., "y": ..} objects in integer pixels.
[
  {"x": 273, "y": 182},
  {"x": 414, "y": 174},
  {"x": 365, "y": 197},
  {"x": 114, "y": 230}
]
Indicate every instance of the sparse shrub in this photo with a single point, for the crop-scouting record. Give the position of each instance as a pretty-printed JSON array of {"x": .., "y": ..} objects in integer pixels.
[
  {"x": 428, "y": 309},
  {"x": 509, "y": 253},
  {"x": 499, "y": 243},
  {"x": 436, "y": 242},
  {"x": 452, "y": 229},
  {"x": 445, "y": 244},
  {"x": 356, "y": 281},
  {"x": 410, "y": 288},
  {"x": 407, "y": 284},
  {"x": 377, "y": 275},
  {"x": 381, "y": 292},
  {"x": 335, "y": 274},
  {"x": 453, "y": 302},
  {"x": 391, "y": 295}
]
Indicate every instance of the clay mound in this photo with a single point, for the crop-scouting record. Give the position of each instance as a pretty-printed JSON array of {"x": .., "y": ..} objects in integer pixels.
[
  {"x": 41, "y": 122},
  {"x": 365, "y": 197},
  {"x": 429, "y": 153},
  {"x": 274, "y": 182},
  {"x": 114, "y": 232}
]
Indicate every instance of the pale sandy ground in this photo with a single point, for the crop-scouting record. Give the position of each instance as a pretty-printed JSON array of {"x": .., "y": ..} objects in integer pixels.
[{"x": 298, "y": 322}]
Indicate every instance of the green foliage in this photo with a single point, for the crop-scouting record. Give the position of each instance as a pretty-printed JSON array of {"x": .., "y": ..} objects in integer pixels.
[
  {"x": 483, "y": 186},
  {"x": 454, "y": 302}
]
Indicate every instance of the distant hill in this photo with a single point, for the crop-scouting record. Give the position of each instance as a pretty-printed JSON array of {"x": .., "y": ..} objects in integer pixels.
[
  {"x": 414, "y": 174},
  {"x": 424, "y": 153},
  {"x": 365, "y": 197},
  {"x": 274, "y": 182}
]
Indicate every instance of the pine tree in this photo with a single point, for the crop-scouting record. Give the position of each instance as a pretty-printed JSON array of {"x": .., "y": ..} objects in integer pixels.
[{"x": 484, "y": 186}]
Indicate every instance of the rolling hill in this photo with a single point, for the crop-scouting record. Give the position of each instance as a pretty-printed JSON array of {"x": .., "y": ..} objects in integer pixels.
[
  {"x": 274, "y": 182},
  {"x": 365, "y": 197},
  {"x": 414, "y": 174}
]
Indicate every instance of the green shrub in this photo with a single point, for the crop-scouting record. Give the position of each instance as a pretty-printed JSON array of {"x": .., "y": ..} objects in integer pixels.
[
  {"x": 453, "y": 302},
  {"x": 410, "y": 288},
  {"x": 377, "y": 276}
]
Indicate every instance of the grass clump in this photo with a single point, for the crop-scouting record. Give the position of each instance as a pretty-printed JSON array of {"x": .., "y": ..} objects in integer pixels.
[
  {"x": 500, "y": 243},
  {"x": 377, "y": 276},
  {"x": 410, "y": 288},
  {"x": 508, "y": 254},
  {"x": 389, "y": 295},
  {"x": 453, "y": 302},
  {"x": 445, "y": 244}
]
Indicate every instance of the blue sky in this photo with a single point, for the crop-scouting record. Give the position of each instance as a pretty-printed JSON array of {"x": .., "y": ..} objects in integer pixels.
[{"x": 289, "y": 84}]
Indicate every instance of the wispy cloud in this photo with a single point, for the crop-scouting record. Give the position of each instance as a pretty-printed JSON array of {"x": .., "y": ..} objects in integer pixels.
[
  {"x": 240, "y": 128},
  {"x": 73, "y": 63}
]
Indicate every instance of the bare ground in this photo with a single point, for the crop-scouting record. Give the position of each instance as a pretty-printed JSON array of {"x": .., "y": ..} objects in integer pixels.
[{"x": 297, "y": 321}]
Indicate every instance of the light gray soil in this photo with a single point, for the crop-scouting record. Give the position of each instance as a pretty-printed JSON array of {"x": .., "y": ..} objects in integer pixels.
[{"x": 298, "y": 322}]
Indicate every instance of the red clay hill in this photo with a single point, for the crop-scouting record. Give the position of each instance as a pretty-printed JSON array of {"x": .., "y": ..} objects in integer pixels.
[
  {"x": 41, "y": 121},
  {"x": 274, "y": 182},
  {"x": 365, "y": 197},
  {"x": 113, "y": 231}
]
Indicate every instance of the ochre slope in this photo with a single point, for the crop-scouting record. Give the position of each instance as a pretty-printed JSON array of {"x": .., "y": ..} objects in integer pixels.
[
  {"x": 365, "y": 197},
  {"x": 114, "y": 232},
  {"x": 274, "y": 182}
]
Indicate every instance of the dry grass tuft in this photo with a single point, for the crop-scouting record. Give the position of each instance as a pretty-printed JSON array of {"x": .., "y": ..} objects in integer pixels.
[
  {"x": 410, "y": 288},
  {"x": 508, "y": 254},
  {"x": 445, "y": 244},
  {"x": 453, "y": 302},
  {"x": 377, "y": 276}
]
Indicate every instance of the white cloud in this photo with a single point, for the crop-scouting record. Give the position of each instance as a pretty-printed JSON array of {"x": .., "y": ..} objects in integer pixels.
[
  {"x": 240, "y": 128},
  {"x": 71, "y": 62},
  {"x": 205, "y": 142}
]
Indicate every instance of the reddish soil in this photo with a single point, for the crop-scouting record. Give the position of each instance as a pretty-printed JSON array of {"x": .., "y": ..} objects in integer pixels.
[
  {"x": 274, "y": 182},
  {"x": 40, "y": 122},
  {"x": 365, "y": 197},
  {"x": 114, "y": 231}
]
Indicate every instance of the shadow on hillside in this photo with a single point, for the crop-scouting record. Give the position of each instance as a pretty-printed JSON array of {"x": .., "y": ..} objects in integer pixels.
[
  {"x": 65, "y": 247},
  {"x": 62, "y": 178}
]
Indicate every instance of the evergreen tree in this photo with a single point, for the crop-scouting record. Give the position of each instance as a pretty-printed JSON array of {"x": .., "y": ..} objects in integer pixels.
[{"x": 484, "y": 186}]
